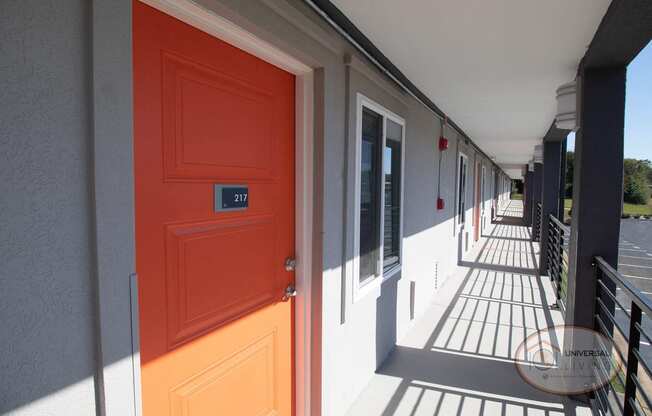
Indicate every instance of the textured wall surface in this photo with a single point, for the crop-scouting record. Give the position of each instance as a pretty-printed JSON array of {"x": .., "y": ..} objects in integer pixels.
[
  {"x": 46, "y": 287},
  {"x": 46, "y": 319}
]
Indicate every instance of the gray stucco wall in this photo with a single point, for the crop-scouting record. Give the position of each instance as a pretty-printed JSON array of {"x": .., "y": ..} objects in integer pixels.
[
  {"x": 46, "y": 131},
  {"x": 46, "y": 290}
]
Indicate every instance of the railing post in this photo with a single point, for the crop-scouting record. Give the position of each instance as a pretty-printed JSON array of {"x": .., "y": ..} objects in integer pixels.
[{"x": 632, "y": 360}]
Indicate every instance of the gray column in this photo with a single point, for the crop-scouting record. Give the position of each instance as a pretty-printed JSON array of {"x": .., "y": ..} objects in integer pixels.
[
  {"x": 527, "y": 198},
  {"x": 597, "y": 187},
  {"x": 552, "y": 155},
  {"x": 562, "y": 180},
  {"x": 537, "y": 187}
]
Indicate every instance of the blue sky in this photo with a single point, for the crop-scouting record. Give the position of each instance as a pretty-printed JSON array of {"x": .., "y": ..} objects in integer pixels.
[{"x": 638, "y": 108}]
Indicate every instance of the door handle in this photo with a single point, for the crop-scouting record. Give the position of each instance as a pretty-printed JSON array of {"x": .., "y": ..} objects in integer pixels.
[{"x": 290, "y": 292}]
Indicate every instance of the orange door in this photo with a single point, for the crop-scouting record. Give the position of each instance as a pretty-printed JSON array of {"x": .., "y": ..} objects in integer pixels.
[
  {"x": 476, "y": 212},
  {"x": 214, "y": 184}
]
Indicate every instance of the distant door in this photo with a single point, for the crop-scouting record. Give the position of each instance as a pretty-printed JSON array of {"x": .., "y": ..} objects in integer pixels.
[
  {"x": 477, "y": 207},
  {"x": 483, "y": 196},
  {"x": 214, "y": 188}
]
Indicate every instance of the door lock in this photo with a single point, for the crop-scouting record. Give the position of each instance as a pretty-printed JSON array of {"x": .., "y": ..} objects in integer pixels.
[
  {"x": 290, "y": 264},
  {"x": 290, "y": 292}
]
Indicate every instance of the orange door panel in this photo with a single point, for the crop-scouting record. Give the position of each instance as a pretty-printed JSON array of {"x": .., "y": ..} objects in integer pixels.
[
  {"x": 216, "y": 337},
  {"x": 476, "y": 212}
]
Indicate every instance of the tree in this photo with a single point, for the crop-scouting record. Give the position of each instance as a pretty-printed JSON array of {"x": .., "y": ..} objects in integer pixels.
[
  {"x": 647, "y": 166},
  {"x": 570, "y": 171},
  {"x": 570, "y": 167},
  {"x": 637, "y": 179},
  {"x": 636, "y": 185}
]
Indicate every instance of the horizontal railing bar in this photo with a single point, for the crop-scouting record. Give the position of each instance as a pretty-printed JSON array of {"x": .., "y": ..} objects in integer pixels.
[
  {"x": 635, "y": 406},
  {"x": 620, "y": 354},
  {"x": 613, "y": 320},
  {"x": 641, "y": 331},
  {"x": 605, "y": 391},
  {"x": 639, "y": 389},
  {"x": 605, "y": 372},
  {"x": 642, "y": 362},
  {"x": 605, "y": 333},
  {"x": 613, "y": 297},
  {"x": 559, "y": 224},
  {"x": 637, "y": 297},
  {"x": 603, "y": 403}
]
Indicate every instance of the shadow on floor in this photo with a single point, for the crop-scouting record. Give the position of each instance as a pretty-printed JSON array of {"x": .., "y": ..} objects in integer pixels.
[{"x": 459, "y": 359}]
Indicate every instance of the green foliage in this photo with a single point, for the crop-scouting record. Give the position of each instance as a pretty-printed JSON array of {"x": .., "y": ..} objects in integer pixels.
[
  {"x": 636, "y": 185},
  {"x": 637, "y": 179},
  {"x": 570, "y": 168},
  {"x": 647, "y": 167}
]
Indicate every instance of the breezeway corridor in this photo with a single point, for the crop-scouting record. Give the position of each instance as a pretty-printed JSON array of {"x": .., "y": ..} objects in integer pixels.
[{"x": 459, "y": 358}]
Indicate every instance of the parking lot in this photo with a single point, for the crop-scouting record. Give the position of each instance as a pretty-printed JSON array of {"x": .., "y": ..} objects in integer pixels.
[
  {"x": 635, "y": 253},
  {"x": 635, "y": 264}
]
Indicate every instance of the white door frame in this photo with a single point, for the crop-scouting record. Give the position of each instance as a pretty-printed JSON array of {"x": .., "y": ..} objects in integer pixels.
[{"x": 223, "y": 29}]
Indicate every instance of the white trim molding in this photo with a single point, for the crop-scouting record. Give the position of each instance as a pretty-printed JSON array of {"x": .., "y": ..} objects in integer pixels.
[
  {"x": 372, "y": 285},
  {"x": 215, "y": 25},
  {"x": 461, "y": 224}
]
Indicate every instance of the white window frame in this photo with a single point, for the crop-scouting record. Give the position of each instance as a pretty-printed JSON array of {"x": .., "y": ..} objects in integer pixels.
[
  {"x": 460, "y": 156},
  {"x": 360, "y": 289}
]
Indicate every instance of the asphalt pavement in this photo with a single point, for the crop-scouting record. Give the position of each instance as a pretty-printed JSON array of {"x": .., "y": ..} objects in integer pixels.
[{"x": 635, "y": 264}]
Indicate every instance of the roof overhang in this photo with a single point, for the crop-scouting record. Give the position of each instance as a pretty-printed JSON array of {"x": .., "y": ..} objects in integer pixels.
[{"x": 492, "y": 67}]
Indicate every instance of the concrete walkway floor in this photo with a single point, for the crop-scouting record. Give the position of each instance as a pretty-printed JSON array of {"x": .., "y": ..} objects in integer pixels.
[{"x": 459, "y": 358}]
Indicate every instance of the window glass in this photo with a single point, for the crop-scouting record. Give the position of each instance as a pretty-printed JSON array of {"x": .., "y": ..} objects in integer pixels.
[
  {"x": 370, "y": 192},
  {"x": 392, "y": 172}
]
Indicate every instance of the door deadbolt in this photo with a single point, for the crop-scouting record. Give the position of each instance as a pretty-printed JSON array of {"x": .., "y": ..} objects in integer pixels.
[
  {"x": 290, "y": 292},
  {"x": 290, "y": 264}
]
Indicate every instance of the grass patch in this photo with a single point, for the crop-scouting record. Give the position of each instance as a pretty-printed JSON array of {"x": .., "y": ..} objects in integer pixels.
[
  {"x": 632, "y": 209},
  {"x": 517, "y": 197},
  {"x": 568, "y": 204},
  {"x": 628, "y": 209}
]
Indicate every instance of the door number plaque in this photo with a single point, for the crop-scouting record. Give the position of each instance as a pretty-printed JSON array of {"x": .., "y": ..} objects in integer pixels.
[{"x": 231, "y": 197}]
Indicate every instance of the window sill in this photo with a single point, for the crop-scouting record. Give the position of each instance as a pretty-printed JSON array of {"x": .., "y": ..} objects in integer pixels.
[
  {"x": 391, "y": 272},
  {"x": 373, "y": 285}
]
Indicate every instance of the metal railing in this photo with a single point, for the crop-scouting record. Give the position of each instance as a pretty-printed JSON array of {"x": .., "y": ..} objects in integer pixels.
[
  {"x": 536, "y": 222},
  {"x": 622, "y": 314},
  {"x": 557, "y": 255}
]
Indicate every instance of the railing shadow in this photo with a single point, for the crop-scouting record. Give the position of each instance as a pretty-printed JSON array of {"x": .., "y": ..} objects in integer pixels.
[{"x": 467, "y": 364}]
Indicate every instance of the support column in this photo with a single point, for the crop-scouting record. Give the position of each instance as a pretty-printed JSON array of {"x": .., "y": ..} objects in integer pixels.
[
  {"x": 552, "y": 155},
  {"x": 527, "y": 197},
  {"x": 562, "y": 180},
  {"x": 597, "y": 187},
  {"x": 537, "y": 187}
]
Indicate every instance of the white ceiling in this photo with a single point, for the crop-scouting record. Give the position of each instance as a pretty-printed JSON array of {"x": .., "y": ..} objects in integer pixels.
[{"x": 491, "y": 65}]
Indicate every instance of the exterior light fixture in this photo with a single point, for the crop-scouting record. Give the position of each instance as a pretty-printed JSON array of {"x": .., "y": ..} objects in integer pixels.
[
  {"x": 538, "y": 153},
  {"x": 566, "y": 118}
]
